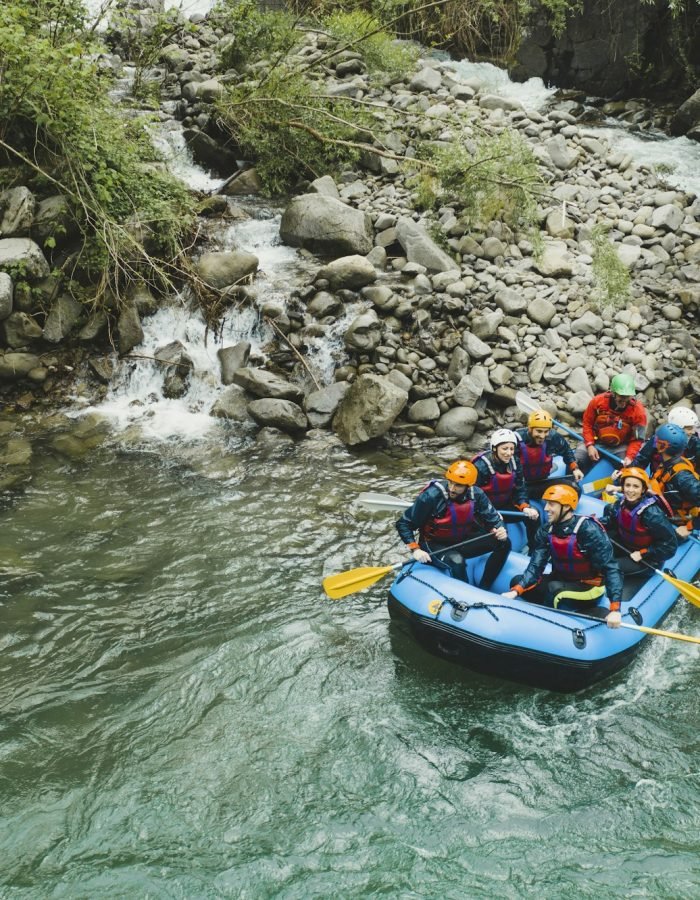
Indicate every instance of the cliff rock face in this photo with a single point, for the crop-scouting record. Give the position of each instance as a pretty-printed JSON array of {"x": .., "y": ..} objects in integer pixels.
[{"x": 616, "y": 48}]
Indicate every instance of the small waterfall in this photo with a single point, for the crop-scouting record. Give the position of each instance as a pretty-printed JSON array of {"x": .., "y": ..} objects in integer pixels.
[{"x": 135, "y": 399}]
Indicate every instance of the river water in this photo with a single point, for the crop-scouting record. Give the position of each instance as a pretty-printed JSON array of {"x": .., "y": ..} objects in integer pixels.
[{"x": 186, "y": 715}]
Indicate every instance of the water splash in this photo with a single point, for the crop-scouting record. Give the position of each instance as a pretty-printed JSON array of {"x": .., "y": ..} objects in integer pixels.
[{"x": 533, "y": 93}]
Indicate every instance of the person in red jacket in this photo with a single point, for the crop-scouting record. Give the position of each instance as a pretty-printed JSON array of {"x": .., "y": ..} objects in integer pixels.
[{"x": 615, "y": 420}]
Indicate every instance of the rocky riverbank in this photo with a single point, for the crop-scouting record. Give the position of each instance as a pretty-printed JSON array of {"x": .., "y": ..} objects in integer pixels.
[{"x": 446, "y": 318}]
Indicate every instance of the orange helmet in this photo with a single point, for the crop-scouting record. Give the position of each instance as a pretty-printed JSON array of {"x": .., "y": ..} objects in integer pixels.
[
  {"x": 462, "y": 472},
  {"x": 634, "y": 472},
  {"x": 562, "y": 493},
  {"x": 540, "y": 418}
]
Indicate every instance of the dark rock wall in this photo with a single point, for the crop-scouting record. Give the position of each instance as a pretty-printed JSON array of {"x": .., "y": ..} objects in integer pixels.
[{"x": 617, "y": 49}]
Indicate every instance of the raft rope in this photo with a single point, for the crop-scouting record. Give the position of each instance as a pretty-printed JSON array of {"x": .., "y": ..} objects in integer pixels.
[{"x": 462, "y": 606}]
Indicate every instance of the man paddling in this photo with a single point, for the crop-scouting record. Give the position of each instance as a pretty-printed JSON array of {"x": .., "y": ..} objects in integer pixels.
[
  {"x": 452, "y": 510},
  {"x": 686, "y": 419},
  {"x": 538, "y": 446},
  {"x": 677, "y": 479},
  {"x": 583, "y": 563},
  {"x": 615, "y": 420}
]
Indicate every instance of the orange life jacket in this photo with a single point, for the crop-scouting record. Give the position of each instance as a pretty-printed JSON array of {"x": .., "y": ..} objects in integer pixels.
[{"x": 661, "y": 479}]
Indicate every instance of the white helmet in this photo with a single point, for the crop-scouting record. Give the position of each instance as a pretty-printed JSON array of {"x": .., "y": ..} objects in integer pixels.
[
  {"x": 503, "y": 436},
  {"x": 683, "y": 417}
]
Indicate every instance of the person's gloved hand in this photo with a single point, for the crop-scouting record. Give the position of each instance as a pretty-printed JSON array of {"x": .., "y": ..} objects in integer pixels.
[
  {"x": 613, "y": 619},
  {"x": 420, "y": 555}
]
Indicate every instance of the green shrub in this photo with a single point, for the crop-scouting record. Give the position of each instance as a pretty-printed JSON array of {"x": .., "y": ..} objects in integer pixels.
[
  {"x": 252, "y": 32},
  {"x": 610, "y": 274},
  {"x": 57, "y": 120},
  {"x": 289, "y": 131},
  {"x": 380, "y": 50},
  {"x": 492, "y": 178}
]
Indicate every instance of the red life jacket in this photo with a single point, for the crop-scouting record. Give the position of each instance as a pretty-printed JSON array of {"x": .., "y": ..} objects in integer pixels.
[
  {"x": 455, "y": 524},
  {"x": 536, "y": 462},
  {"x": 568, "y": 561},
  {"x": 499, "y": 488},
  {"x": 632, "y": 531}
]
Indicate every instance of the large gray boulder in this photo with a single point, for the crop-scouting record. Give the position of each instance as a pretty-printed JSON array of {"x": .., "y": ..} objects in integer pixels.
[
  {"x": 349, "y": 272},
  {"x": 266, "y": 384},
  {"x": 223, "y": 269},
  {"x": 321, "y": 405},
  {"x": 129, "y": 330},
  {"x": 326, "y": 226},
  {"x": 368, "y": 410},
  {"x": 209, "y": 153},
  {"x": 459, "y": 422},
  {"x": 14, "y": 366},
  {"x": 23, "y": 255},
  {"x": 420, "y": 248},
  {"x": 178, "y": 369},
  {"x": 233, "y": 358},
  {"x": 282, "y": 414},
  {"x": 17, "y": 206},
  {"x": 62, "y": 318},
  {"x": 54, "y": 219},
  {"x": 6, "y": 294},
  {"x": 232, "y": 404},
  {"x": 20, "y": 329},
  {"x": 364, "y": 332},
  {"x": 687, "y": 117}
]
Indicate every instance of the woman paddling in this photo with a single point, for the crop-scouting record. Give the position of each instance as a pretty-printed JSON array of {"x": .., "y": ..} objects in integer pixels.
[{"x": 640, "y": 526}]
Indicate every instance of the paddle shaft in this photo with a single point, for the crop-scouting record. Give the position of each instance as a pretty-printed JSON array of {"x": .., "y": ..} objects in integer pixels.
[{"x": 643, "y": 628}]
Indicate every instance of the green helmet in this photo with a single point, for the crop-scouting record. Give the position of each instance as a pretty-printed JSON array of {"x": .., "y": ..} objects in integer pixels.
[{"x": 623, "y": 384}]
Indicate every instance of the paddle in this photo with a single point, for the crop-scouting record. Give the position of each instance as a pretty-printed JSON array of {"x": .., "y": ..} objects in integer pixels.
[
  {"x": 657, "y": 631},
  {"x": 687, "y": 590},
  {"x": 389, "y": 502},
  {"x": 527, "y": 404},
  {"x": 595, "y": 487},
  {"x": 337, "y": 586}
]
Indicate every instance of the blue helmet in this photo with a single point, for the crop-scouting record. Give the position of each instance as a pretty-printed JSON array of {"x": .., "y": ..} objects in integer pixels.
[{"x": 671, "y": 439}]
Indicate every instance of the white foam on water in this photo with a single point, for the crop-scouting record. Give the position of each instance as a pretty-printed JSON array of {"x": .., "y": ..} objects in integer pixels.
[
  {"x": 261, "y": 236},
  {"x": 136, "y": 395},
  {"x": 533, "y": 93},
  {"x": 325, "y": 354},
  {"x": 678, "y": 158},
  {"x": 169, "y": 140}
]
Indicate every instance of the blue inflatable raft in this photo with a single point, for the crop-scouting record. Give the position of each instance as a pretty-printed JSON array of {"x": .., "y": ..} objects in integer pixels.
[{"x": 562, "y": 650}]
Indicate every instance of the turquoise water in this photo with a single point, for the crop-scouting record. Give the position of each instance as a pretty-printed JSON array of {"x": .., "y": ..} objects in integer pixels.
[{"x": 184, "y": 713}]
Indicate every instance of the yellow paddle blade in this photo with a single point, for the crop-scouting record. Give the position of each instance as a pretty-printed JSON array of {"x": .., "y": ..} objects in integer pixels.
[
  {"x": 344, "y": 583},
  {"x": 592, "y": 487},
  {"x": 658, "y": 631},
  {"x": 688, "y": 590}
]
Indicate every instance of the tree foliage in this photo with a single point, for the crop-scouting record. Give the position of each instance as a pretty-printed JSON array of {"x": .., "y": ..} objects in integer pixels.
[
  {"x": 380, "y": 51},
  {"x": 289, "y": 130},
  {"x": 58, "y": 123},
  {"x": 492, "y": 177}
]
